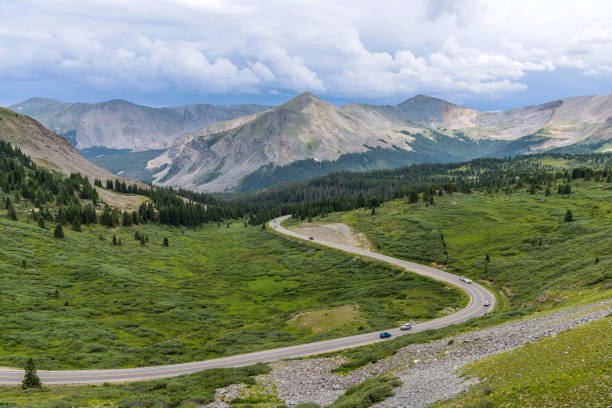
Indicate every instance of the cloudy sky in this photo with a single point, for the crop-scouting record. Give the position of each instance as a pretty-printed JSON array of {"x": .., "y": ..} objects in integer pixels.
[{"x": 484, "y": 54}]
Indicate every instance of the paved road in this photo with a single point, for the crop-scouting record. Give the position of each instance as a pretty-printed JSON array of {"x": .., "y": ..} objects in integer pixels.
[{"x": 477, "y": 293}]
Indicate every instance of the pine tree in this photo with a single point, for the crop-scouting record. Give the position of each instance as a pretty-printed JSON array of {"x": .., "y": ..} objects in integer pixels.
[
  {"x": 76, "y": 224},
  {"x": 41, "y": 222},
  {"x": 569, "y": 217},
  {"x": 59, "y": 232},
  {"x": 166, "y": 243},
  {"x": 373, "y": 211},
  {"x": 114, "y": 239},
  {"x": 142, "y": 239},
  {"x": 30, "y": 379},
  {"x": 12, "y": 214},
  {"x": 413, "y": 196},
  {"x": 596, "y": 260}
]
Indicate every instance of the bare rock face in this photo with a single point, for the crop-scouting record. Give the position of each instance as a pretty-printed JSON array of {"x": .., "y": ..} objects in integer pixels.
[
  {"x": 218, "y": 157},
  {"x": 120, "y": 124}
]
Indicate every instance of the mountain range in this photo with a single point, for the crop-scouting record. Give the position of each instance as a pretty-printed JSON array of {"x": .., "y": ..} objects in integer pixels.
[
  {"x": 119, "y": 124},
  {"x": 308, "y": 137},
  {"x": 305, "y": 137}
]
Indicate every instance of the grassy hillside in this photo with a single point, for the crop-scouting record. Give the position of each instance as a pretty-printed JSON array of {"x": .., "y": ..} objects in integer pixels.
[
  {"x": 573, "y": 369},
  {"x": 533, "y": 253},
  {"x": 83, "y": 302}
]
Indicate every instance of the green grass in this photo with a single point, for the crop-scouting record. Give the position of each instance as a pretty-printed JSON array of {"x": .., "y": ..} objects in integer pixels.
[
  {"x": 81, "y": 302},
  {"x": 571, "y": 369},
  {"x": 186, "y": 391},
  {"x": 367, "y": 393},
  {"x": 525, "y": 275},
  {"x": 532, "y": 250}
]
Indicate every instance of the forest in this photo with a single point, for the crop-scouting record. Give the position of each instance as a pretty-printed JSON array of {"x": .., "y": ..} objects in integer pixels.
[{"x": 75, "y": 200}]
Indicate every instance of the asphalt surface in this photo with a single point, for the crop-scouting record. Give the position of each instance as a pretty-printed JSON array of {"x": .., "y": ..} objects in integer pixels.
[{"x": 477, "y": 294}]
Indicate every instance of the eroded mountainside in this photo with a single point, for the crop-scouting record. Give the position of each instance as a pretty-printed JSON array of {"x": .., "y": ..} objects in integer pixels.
[
  {"x": 307, "y": 137},
  {"x": 47, "y": 148}
]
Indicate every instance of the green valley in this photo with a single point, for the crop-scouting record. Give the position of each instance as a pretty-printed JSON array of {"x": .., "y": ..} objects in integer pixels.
[{"x": 221, "y": 289}]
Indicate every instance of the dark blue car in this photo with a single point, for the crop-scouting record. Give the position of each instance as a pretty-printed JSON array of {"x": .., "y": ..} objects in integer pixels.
[{"x": 385, "y": 335}]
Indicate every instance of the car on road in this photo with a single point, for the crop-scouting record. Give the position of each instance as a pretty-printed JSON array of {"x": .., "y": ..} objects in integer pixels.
[
  {"x": 385, "y": 335},
  {"x": 466, "y": 280},
  {"x": 406, "y": 326},
  {"x": 311, "y": 238},
  {"x": 486, "y": 303}
]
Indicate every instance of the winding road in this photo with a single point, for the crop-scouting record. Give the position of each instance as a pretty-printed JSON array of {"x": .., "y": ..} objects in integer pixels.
[{"x": 477, "y": 293}]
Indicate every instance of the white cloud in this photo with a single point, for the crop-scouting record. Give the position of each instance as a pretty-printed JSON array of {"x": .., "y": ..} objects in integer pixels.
[{"x": 343, "y": 48}]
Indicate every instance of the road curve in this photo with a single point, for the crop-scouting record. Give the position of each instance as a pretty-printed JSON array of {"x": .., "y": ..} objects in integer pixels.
[{"x": 477, "y": 294}]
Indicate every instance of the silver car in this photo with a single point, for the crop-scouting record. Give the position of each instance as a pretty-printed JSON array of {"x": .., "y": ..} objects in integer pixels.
[{"x": 406, "y": 326}]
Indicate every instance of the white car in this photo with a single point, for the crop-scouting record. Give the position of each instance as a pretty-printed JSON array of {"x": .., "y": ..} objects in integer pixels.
[
  {"x": 406, "y": 326},
  {"x": 486, "y": 303}
]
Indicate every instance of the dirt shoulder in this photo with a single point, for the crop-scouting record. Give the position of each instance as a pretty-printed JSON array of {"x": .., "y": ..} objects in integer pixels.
[{"x": 334, "y": 232}]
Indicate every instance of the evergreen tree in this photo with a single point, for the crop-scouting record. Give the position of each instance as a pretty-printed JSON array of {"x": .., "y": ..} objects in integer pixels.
[
  {"x": 114, "y": 239},
  {"x": 569, "y": 217},
  {"x": 373, "y": 211},
  {"x": 547, "y": 193},
  {"x": 41, "y": 222},
  {"x": 12, "y": 214},
  {"x": 142, "y": 239},
  {"x": 413, "y": 196},
  {"x": 7, "y": 203},
  {"x": 166, "y": 243},
  {"x": 59, "y": 232},
  {"x": 76, "y": 223},
  {"x": 30, "y": 379},
  {"x": 596, "y": 260}
]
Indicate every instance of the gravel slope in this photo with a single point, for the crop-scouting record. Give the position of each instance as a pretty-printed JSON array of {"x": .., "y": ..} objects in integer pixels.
[{"x": 429, "y": 372}]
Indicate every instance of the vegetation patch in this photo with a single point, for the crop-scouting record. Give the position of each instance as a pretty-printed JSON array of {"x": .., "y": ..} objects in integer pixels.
[
  {"x": 573, "y": 369},
  {"x": 102, "y": 298},
  {"x": 186, "y": 390},
  {"x": 326, "y": 319}
]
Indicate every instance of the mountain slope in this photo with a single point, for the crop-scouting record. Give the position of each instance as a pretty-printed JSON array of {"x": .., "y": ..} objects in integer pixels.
[
  {"x": 308, "y": 137},
  {"x": 123, "y": 125},
  {"x": 303, "y": 128},
  {"x": 48, "y": 149}
]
